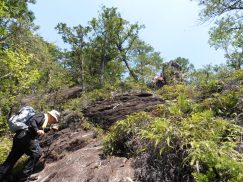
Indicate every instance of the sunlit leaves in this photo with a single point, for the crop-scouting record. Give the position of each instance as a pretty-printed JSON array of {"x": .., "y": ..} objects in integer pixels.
[
  {"x": 209, "y": 143},
  {"x": 76, "y": 58},
  {"x": 146, "y": 62},
  {"x": 227, "y": 33},
  {"x": 16, "y": 74}
]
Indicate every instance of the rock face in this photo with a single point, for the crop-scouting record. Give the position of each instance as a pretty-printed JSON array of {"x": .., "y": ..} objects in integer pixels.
[
  {"x": 106, "y": 112},
  {"x": 88, "y": 164},
  {"x": 54, "y": 98},
  {"x": 75, "y": 155}
]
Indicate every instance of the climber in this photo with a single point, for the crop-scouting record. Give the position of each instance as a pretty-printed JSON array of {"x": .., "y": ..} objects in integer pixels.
[
  {"x": 159, "y": 80},
  {"x": 175, "y": 65},
  {"x": 27, "y": 142}
]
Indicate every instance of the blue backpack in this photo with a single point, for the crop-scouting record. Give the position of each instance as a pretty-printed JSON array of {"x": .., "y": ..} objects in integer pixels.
[{"x": 18, "y": 120}]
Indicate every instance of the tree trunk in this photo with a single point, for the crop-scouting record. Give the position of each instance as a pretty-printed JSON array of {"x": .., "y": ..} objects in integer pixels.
[
  {"x": 238, "y": 64},
  {"x": 129, "y": 69},
  {"x": 82, "y": 73},
  {"x": 102, "y": 70},
  {"x": 238, "y": 67},
  {"x": 80, "y": 60}
]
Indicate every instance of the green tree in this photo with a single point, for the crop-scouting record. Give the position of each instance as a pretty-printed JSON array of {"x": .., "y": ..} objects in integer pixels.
[
  {"x": 15, "y": 61},
  {"x": 76, "y": 37},
  {"x": 227, "y": 34},
  {"x": 210, "y": 74},
  {"x": 28, "y": 63},
  {"x": 3, "y": 13},
  {"x": 46, "y": 58},
  {"x": 16, "y": 75},
  {"x": 146, "y": 61},
  {"x": 15, "y": 14},
  {"x": 16, "y": 78},
  {"x": 103, "y": 38},
  {"x": 203, "y": 75},
  {"x": 53, "y": 75},
  {"x": 186, "y": 66},
  {"x": 113, "y": 38},
  {"x": 126, "y": 37}
]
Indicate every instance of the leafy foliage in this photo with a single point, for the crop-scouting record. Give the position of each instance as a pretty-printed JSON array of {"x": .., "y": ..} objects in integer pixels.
[
  {"x": 76, "y": 58},
  {"x": 16, "y": 79},
  {"x": 207, "y": 144},
  {"x": 14, "y": 14},
  {"x": 185, "y": 139},
  {"x": 171, "y": 92},
  {"x": 177, "y": 74},
  {"x": 15, "y": 74},
  {"x": 4, "y": 148},
  {"x": 222, "y": 104},
  {"x": 123, "y": 135},
  {"x": 227, "y": 33},
  {"x": 220, "y": 93},
  {"x": 147, "y": 62}
]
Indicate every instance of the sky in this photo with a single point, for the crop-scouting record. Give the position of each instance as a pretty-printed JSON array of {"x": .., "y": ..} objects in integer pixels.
[{"x": 172, "y": 27}]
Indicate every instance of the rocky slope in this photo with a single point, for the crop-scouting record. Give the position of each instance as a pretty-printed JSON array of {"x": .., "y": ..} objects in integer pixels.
[
  {"x": 73, "y": 154},
  {"x": 78, "y": 157},
  {"x": 106, "y": 112}
]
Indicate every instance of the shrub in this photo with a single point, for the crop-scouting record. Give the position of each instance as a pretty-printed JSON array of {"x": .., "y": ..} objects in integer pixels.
[
  {"x": 3, "y": 124},
  {"x": 182, "y": 106},
  {"x": 133, "y": 86},
  {"x": 222, "y": 104},
  {"x": 124, "y": 135},
  {"x": 171, "y": 92},
  {"x": 212, "y": 147},
  {"x": 161, "y": 111},
  {"x": 100, "y": 94},
  {"x": 208, "y": 88},
  {"x": 215, "y": 161},
  {"x": 238, "y": 75},
  {"x": 198, "y": 145},
  {"x": 5, "y": 146},
  {"x": 75, "y": 105}
]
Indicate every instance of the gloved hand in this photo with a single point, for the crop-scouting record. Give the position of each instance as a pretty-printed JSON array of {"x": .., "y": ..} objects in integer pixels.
[
  {"x": 40, "y": 132},
  {"x": 55, "y": 127}
]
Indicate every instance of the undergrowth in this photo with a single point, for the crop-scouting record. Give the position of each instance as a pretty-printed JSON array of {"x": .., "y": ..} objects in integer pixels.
[
  {"x": 203, "y": 145},
  {"x": 5, "y": 147}
]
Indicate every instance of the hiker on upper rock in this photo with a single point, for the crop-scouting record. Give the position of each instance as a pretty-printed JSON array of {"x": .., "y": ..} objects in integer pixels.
[
  {"x": 159, "y": 80},
  {"x": 175, "y": 65},
  {"x": 26, "y": 141}
]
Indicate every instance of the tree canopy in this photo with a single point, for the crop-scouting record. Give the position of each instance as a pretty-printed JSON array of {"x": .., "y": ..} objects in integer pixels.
[{"x": 227, "y": 34}]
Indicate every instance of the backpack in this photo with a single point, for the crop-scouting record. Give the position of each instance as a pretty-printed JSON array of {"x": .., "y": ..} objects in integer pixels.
[{"x": 19, "y": 119}]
